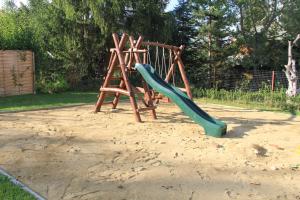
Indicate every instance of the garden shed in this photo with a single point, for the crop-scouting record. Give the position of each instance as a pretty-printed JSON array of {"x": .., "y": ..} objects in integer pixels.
[{"x": 16, "y": 72}]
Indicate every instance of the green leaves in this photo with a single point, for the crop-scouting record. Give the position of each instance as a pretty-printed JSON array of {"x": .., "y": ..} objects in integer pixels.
[{"x": 72, "y": 38}]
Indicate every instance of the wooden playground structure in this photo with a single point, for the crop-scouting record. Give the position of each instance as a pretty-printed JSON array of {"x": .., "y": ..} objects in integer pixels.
[{"x": 121, "y": 65}]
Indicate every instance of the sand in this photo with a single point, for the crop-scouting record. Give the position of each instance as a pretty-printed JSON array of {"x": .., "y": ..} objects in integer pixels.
[{"x": 72, "y": 153}]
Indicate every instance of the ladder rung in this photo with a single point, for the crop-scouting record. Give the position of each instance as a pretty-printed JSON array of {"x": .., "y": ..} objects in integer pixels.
[{"x": 115, "y": 90}]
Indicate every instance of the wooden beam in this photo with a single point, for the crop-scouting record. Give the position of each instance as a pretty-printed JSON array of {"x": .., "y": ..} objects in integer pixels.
[
  {"x": 130, "y": 50},
  {"x": 184, "y": 77},
  {"x": 160, "y": 45},
  {"x": 115, "y": 90}
]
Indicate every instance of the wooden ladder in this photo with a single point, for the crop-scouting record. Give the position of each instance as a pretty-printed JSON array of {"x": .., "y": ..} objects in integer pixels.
[{"x": 124, "y": 64}]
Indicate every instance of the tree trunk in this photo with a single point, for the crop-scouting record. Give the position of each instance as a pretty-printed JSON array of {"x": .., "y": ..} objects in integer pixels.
[
  {"x": 212, "y": 82},
  {"x": 291, "y": 71}
]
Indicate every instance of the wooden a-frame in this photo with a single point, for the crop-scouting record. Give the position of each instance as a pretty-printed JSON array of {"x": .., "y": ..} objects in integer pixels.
[{"x": 123, "y": 60}]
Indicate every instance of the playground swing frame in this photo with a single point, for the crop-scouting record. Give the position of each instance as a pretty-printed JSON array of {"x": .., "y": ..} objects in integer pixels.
[{"x": 123, "y": 60}]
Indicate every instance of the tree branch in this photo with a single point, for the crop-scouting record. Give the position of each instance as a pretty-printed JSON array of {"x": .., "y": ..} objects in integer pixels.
[{"x": 296, "y": 40}]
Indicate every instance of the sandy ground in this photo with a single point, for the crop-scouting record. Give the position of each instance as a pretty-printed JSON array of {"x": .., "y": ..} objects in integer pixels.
[{"x": 71, "y": 153}]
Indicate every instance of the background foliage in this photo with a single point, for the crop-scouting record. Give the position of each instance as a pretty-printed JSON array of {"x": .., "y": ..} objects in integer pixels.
[{"x": 71, "y": 38}]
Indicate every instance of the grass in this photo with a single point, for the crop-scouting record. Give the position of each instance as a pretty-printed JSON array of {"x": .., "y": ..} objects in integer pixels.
[
  {"x": 263, "y": 99},
  {"x": 9, "y": 191},
  {"x": 251, "y": 105},
  {"x": 40, "y": 101}
]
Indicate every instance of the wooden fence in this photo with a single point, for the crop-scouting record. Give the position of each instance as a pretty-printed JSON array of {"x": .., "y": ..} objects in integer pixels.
[{"x": 16, "y": 72}]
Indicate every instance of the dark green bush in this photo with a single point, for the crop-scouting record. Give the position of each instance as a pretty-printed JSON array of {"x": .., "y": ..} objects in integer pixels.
[{"x": 53, "y": 84}]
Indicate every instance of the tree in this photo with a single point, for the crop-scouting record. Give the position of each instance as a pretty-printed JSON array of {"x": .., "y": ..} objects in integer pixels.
[
  {"x": 72, "y": 38},
  {"x": 259, "y": 29},
  {"x": 185, "y": 29},
  {"x": 291, "y": 71},
  {"x": 214, "y": 20},
  {"x": 15, "y": 32},
  {"x": 147, "y": 18},
  {"x": 184, "y": 33}
]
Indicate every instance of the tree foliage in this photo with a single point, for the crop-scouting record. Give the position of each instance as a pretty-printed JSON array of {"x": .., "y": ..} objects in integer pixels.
[{"x": 71, "y": 38}]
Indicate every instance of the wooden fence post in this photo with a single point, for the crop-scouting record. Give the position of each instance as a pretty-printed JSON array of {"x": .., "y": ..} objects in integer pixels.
[{"x": 273, "y": 81}]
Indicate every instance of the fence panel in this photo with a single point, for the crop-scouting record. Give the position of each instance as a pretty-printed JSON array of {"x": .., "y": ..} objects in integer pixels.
[
  {"x": 252, "y": 80},
  {"x": 16, "y": 72}
]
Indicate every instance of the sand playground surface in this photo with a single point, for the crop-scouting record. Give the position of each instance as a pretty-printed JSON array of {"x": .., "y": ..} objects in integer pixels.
[{"x": 72, "y": 153}]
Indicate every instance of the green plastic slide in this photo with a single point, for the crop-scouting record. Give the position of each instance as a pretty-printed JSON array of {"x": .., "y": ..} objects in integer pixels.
[{"x": 211, "y": 126}]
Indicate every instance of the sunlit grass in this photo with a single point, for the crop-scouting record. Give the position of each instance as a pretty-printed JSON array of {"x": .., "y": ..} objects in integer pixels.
[
  {"x": 9, "y": 191},
  {"x": 39, "y": 101},
  {"x": 263, "y": 99}
]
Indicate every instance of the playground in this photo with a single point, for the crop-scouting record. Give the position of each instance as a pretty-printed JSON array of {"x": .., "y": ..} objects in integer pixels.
[
  {"x": 164, "y": 99},
  {"x": 72, "y": 153},
  {"x": 156, "y": 143}
]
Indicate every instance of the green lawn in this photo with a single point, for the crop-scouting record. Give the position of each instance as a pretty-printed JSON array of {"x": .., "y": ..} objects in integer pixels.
[
  {"x": 248, "y": 105},
  {"x": 39, "y": 101},
  {"x": 263, "y": 99},
  {"x": 9, "y": 191}
]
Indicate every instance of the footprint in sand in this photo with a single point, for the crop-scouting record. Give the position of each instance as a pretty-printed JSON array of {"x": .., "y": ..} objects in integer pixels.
[
  {"x": 203, "y": 176},
  {"x": 259, "y": 150},
  {"x": 167, "y": 187},
  {"x": 172, "y": 172},
  {"x": 229, "y": 193},
  {"x": 115, "y": 159},
  {"x": 74, "y": 150},
  {"x": 156, "y": 163},
  {"x": 138, "y": 169},
  {"x": 154, "y": 141}
]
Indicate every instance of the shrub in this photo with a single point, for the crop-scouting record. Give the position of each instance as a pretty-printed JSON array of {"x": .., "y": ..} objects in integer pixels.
[{"x": 53, "y": 84}]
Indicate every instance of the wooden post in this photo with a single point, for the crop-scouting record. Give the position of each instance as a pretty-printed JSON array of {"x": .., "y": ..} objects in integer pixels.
[
  {"x": 183, "y": 75},
  {"x": 172, "y": 68},
  {"x": 273, "y": 81},
  {"x": 145, "y": 85},
  {"x": 145, "y": 58},
  {"x": 3, "y": 74},
  {"x": 33, "y": 74}
]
